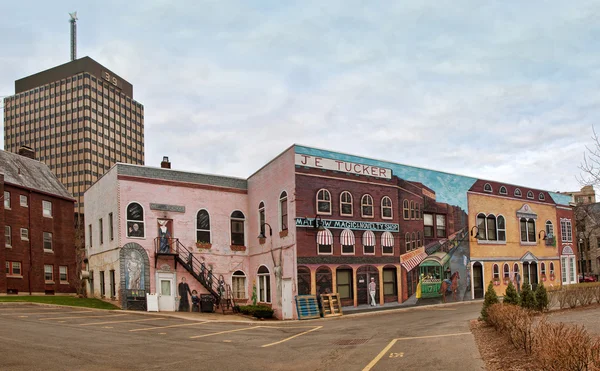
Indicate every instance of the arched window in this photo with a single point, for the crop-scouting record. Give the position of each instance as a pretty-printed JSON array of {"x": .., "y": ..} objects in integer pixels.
[
  {"x": 549, "y": 229},
  {"x": 368, "y": 241},
  {"x": 237, "y": 228},
  {"x": 413, "y": 240},
  {"x": 324, "y": 281},
  {"x": 261, "y": 218},
  {"x": 481, "y": 230},
  {"x": 541, "y": 197},
  {"x": 491, "y": 227},
  {"x": 412, "y": 209},
  {"x": 487, "y": 187},
  {"x": 407, "y": 241},
  {"x": 346, "y": 204},
  {"x": 516, "y": 268},
  {"x": 238, "y": 285},
  {"x": 405, "y": 209},
  {"x": 518, "y": 192},
  {"x": 543, "y": 268},
  {"x": 503, "y": 190},
  {"x": 135, "y": 220},
  {"x": 387, "y": 243},
  {"x": 323, "y": 202},
  {"x": 496, "y": 272},
  {"x": 325, "y": 242},
  {"x": 366, "y": 204},
  {"x": 419, "y": 243},
  {"x": 527, "y": 226},
  {"x": 501, "y": 228},
  {"x": 506, "y": 269},
  {"x": 203, "y": 226},
  {"x": 283, "y": 211},
  {"x": 530, "y": 195},
  {"x": 418, "y": 211},
  {"x": 386, "y": 208},
  {"x": 551, "y": 268},
  {"x": 303, "y": 280},
  {"x": 264, "y": 284},
  {"x": 347, "y": 240}
]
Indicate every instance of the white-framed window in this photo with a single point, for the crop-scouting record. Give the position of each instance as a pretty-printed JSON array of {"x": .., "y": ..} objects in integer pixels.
[
  {"x": 491, "y": 228},
  {"x": 440, "y": 224},
  {"x": 530, "y": 195},
  {"x": 368, "y": 243},
  {"x": 13, "y": 269},
  {"x": 237, "y": 228},
  {"x": 566, "y": 230},
  {"x": 101, "y": 226},
  {"x": 264, "y": 284},
  {"x": 412, "y": 209},
  {"x": 203, "y": 226},
  {"x": 323, "y": 202},
  {"x": 324, "y": 242},
  {"x": 63, "y": 273},
  {"x": 503, "y": 190},
  {"x": 413, "y": 240},
  {"x": 549, "y": 229},
  {"x": 387, "y": 243},
  {"x": 501, "y": 222},
  {"x": 47, "y": 209},
  {"x": 427, "y": 225},
  {"x": 407, "y": 241},
  {"x": 261, "y": 218},
  {"x": 541, "y": 197},
  {"x": 48, "y": 241},
  {"x": 568, "y": 270},
  {"x": 543, "y": 268},
  {"x": 417, "y": 210},
  {"x": 111, "y": 227},
  {"x": 366, "y": 206},
  {"x": 7, "y": 236},
  {"x": 283, "y": 211},
  {"x": 346, "y": 204},
  {"x": 406, "y": 210},
  {"x": 386, "y": 208},
  {"x": 238, "y": 285},
  {"x": 24, "y": 234},
  {"x": 487, "y": 187},
  {"x": 551, "y": 268},
  {"x": 527, "y": 227},
  {"x": 347, "y": 241},
  {"x": 506, "y": 270},
  {"x": 7, "y": 200},
  {"x": 135, "y": 220},
  {"x": 49, "y": 273},
  {"x": 496, "y": 272},
  {"x": 419, "y": 241},
  {"x": 518, "y": 192},
  {"x": 23, "y": 201}
]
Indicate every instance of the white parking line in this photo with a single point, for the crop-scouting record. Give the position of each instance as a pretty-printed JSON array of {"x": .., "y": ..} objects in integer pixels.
[
  {"x": 292, "y": 337},
  {"x": 125, "y": 321},
  {"x": 77, "y": 317},
  {"x": 159, "y": 327}
]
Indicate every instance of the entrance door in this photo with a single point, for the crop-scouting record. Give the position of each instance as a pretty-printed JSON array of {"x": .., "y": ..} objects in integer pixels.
[
  {"x": 363, "y": 276},
  {"x": 166, "y": 292},
  {"x": 477, "y": 280},
  {"x": 286, "y": 299}
]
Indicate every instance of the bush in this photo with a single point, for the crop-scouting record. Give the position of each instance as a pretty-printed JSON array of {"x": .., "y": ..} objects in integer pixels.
[
  {"x": 490, "y": 299},
  {"x": 541, "y": 298},
  {"x": 264, "y": 312},
  {"x": 258, "y": 311},
  {"x": 527, "y": 296},
  {"x": 514, "y": 321},
  {"x": 511, "y": 296}
]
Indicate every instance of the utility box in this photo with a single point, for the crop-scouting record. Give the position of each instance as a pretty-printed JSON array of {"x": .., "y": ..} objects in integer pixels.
[{"x": 207, "y": 303}]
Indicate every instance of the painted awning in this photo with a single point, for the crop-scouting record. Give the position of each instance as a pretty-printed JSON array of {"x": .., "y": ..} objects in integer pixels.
[
  {"x": 414, "y": 261},
  {"x": 368, "y": 238},
  {"x": 325, "y": 237},
  {"x": 387, "y": 239},
  {"x": 347, "y": 238}
]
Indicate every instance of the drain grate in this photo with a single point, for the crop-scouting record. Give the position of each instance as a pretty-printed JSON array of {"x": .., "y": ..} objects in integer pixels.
[{"x": 350, "y": 341}]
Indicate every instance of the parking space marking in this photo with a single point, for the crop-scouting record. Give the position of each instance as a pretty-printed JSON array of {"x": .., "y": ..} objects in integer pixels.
[
  {"x": 292, "y": 337},
  {"x": 28, "y": 307},
  {"x": 380, "y": 355},
  {"x": 159, "y": 327},
  {"x": 77, "y": 317},
  {"x": 225, "y": 332},
  {"x": 33, "y": 313},
  {"x": 125, "y": 321}
]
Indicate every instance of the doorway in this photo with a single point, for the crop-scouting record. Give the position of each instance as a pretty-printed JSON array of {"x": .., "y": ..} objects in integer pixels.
[
  {"x": 363, "y": 277},
  {"x": 165, "y": 286},
  {"x": 530, "y": 273},
  {"x": 286, "y": 299},
  {"x": 477, "y": 280}
]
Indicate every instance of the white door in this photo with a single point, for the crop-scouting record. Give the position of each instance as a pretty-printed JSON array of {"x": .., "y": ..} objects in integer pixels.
[
  {"x": 287, "y": 305},
  {"x": 166, "y": 292}
]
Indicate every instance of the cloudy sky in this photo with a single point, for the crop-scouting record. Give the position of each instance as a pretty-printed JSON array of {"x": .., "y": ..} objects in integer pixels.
[{"x": 506, "y": 91}]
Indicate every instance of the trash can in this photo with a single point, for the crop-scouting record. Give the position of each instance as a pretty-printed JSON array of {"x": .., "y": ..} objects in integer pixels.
[{"x": 206, "y": 303}]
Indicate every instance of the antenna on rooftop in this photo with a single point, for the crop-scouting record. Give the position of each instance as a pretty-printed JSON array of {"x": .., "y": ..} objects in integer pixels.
[{"x": 73, "y": 22}]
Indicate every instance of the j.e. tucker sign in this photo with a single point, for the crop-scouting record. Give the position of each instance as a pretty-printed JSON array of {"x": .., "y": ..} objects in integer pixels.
[{"x": 343, "y": 166}]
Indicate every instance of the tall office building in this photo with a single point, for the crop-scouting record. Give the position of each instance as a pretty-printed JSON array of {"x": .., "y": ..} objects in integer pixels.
[{"x": 79, "y": 118}]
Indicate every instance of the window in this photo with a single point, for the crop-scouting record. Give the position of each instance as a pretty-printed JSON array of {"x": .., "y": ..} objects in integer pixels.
[
  {"x": 23, "y": 201},
  {"x": 344, "y": 283},
  {"x": 111, "y": 227},
  {"x": 49, "y": 273},
  {"x": 419, "y": 239},
  {"x": 387, "y": 243},
  {"x": 413, "y": 240},
  {"x": 238, "y": 285},
  {"x": 47, "y": 209},
  {"x": 389, "y": 282},
  {"x": 566, "y": 230},
  {"x": 440, "y": 223},
  {"x": 6, "y": 200},
  {"x": 527, "y": 226},
  {"x": 368, "y": 243},
  {"x": 62, "y": 272},
  {"x": 325, "y": 242},
  {"x": 530, "y": 195},
  {"x": 427, "y": 225},
  {"x": 503, "y": 190},
  {"x": 418, "y": 211},
  {"x": 491, "y": 227},
  {"x": 386, "y": 208},
  {"x": 135, "y": 220},
  {"x": 283, "y": 211},
  {"x": 518, "y": 192},
  {"x": 102, "y": 286},
  {"x": 496, "y": 272},
  {"x": 551, "y": 268},
  {"x": 405, "y": 209},
  {"x": 237, "y": 228},
  {"x": 516, "y": 268},
  {"x": 264, "y": 285},
  {"x": 549, "y": 229},
  {"x": 506, "y": 271},
  {"x": 25, "y": 234},
  {"x": 101, "y": 231},
  {"x": 113, "y": 291},
  {"x": 366, "y": 204},
  {"x": 261, "y": 218},
  {"x": 347, "y": 240},
  {"x": 202, "y": 226},
  {"x": 487, "y": 188},
  {"x": 323, "y": 202},
  {"x": 346, "y": 203},
  {"x": 412, "y": 209},
  {"x": 543, "y": 268},
  {"x": 47, "y": 241},
  {"x": 7, "y": 236},
  {"x": 407, "y": 241},
  {"x": 13, "y": 268},
  {"x": 541, "y": 197},
  {"x": 501, "y": 228}
]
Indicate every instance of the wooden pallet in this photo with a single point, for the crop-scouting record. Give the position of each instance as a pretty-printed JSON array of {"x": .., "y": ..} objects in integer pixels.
[
  {"x": 331, "y": 304},
  {"x": 307, "y": 307}
]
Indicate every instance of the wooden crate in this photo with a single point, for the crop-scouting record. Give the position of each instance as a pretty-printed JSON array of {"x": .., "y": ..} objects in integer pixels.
[
  {"x": 307, "y": 307},
  {"x": 331, "y": 304}
]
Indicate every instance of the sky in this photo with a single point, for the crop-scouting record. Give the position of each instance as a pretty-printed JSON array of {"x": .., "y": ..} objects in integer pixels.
[{"x": 500, "y": 90}]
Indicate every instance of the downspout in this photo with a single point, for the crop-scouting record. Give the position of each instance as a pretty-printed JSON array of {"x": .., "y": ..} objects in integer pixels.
[{"x": 29, "y": 239}]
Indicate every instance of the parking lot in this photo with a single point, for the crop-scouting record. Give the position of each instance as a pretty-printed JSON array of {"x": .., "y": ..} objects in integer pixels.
[{"x": 47, "y": 337}]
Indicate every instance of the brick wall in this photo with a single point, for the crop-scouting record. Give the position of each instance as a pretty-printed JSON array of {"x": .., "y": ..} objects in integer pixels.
[{"x": 2, "y": 240}]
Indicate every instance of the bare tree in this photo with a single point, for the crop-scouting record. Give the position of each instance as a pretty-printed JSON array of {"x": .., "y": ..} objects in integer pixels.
[
  {"x": 77, "y": 280},
  {"x": 587, "y": 223},
  {"x": 590, "y": 167}
]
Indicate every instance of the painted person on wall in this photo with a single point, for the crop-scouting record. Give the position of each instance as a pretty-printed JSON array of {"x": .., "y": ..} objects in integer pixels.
[
  {"x": 372, "y": 291},
  {"x": 135, "y": 231},
  {"x": 164, "y": 235},
  {"x": 184, "y": 290},
  {"x": 134, "y": 270}
]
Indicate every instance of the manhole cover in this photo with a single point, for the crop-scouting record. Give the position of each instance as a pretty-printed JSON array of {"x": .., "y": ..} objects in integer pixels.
[{"x": 350, "y": 341}]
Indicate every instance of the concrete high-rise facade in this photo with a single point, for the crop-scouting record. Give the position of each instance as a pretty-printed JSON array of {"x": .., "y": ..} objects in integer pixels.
[{"x": 80, "y": 118}]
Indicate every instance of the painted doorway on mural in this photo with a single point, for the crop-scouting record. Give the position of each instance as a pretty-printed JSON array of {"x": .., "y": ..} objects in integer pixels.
[
  {"x": 165, "y": 283},
  {"x": 363, "y": 277},
  {"x": 477, "y": 280},
  {"x": 286, "y": 299}
]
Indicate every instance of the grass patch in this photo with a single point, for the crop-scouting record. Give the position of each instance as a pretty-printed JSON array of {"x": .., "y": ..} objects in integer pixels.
[{"x": 60, "y": 300}]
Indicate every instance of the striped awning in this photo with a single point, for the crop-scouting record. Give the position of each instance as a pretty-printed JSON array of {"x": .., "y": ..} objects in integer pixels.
[
  {"x": 325, "y": 237},
  {"x": 387, "y": 239},
  {"x": 414, "y": 261},
  {"x": 347, "y": 238},
  {"x": 368, "y": 238}
]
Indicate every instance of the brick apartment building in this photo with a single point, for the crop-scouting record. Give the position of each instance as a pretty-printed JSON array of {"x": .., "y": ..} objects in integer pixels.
[{"x": 37, "y": 246}]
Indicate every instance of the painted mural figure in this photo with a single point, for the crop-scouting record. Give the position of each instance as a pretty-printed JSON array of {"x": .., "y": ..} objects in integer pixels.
[
  {"x": 184, "y": 290},
  {"x": 195, "y": 301},
  {"x": 164, "y": 235},
  {"x": 518, "y": 282},
  {"x": 134, "y": 270},
  {"x": 135, "y": 231},
  {"x": 372, "y": 291}
]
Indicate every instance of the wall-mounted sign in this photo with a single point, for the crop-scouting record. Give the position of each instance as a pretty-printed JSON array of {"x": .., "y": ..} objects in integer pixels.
[
  {"x": 343, "y": 166},
  {"x": 164, "y": 207},
  {"x": 349, "y": 224}
]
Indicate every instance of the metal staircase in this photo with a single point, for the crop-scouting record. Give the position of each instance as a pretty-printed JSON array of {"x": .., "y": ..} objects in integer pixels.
[{"x": 216, "y": 286}]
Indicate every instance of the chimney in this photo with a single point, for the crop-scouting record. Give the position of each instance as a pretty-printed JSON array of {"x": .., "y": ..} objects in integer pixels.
[
  {"x": 27, "y": 152},
  {"x": 165, "y": 164}
]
